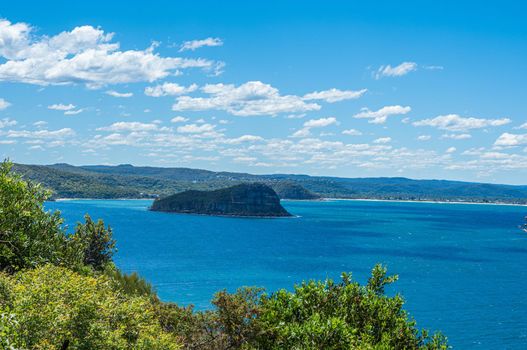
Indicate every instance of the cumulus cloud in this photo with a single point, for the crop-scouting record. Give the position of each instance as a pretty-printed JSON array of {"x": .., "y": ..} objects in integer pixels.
[
  {"x": 61, "y": 107},
  {"x": 41, "y": 134},
  {"x": 451, "y": 150},
  {"x": 380, "y": 116},
  {"x": 314, "y": 123},
  {"x": 114, "y": 93},
  {"x": 507, "y": 139},
  {"x": 523, "y": 126},
  {"x": 179, "y": 119},
  {"x": 7, "y": 122},
  {"x": 74, "y": 112},
  {"x": 244, "y": 138},
  {"x": 253, "y": 98},
  {"x": 130, "y": 126},
  {"x": 352, "y": 132},
  {"x": 383, "y": 140},
  {"x": 456, "y": 136},
  {"x": 196, "y": 44},
  {"x": 424, "y": 137},
  {"x": 457, "y": 123},
  {"x": 334, "y": 95},
  {"x": 169, "y": 89},
  {"x": 397, "y": 71},
  {"x": 4, "y": 104},
  {"x": 85, "y": 55},
  {"x": 318, "y": 123},
  {"x": 195, "y": 128}
]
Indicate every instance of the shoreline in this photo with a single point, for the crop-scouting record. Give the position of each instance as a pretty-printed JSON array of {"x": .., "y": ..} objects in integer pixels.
[
  {"x": 321, "y": 200},
  {"x": 423, "y": 201}
]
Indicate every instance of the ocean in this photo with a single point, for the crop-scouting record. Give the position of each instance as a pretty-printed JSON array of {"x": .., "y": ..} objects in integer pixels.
[{"x": 462, "y": 267}]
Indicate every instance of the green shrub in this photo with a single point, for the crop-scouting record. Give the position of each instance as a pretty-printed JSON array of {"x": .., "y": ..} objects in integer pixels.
[
  {"x": 345, "y": 315},
  {"x": 56, "y": 307},
  {"x": 29, "y": 236}
]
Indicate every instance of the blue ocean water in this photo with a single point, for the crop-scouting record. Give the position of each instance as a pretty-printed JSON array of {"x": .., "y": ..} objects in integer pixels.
[{"x": 462, "y": 267}]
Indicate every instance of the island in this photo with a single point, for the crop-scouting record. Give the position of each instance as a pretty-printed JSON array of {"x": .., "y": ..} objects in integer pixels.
[{"x": 247, "y": 199}]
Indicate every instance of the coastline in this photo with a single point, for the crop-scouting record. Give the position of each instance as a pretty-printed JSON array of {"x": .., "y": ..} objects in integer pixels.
[
  {"x": 322, "y": 200},
  {"x": 423, "y": 201}
]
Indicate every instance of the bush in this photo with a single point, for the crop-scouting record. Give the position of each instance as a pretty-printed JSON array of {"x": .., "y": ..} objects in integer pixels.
[
  {"x": 56, "y": 308},
  {"x": 315, "y": 315},
  {"x": 94, "y": 243},
  {"x": 29, "y": 236},
  {"x": 345, "y": 315}
]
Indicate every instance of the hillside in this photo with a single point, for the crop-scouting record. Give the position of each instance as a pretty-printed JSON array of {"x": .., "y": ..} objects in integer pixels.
[
  {"x": 254, "y": 200},
  {"x": 127, "y": 181}
]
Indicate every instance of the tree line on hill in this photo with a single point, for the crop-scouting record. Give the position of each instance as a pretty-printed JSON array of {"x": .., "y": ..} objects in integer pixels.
[
  {"x": 127, "y": 181},
  {"x": 61, "y": 290}
]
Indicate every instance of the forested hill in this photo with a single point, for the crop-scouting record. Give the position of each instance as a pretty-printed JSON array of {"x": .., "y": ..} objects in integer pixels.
[{"x": 127, "y": 181}]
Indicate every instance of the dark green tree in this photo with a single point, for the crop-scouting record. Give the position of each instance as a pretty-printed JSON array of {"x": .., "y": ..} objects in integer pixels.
[
  {"x": 95, "y": 243},
  {"x": 29, "y": 235}
]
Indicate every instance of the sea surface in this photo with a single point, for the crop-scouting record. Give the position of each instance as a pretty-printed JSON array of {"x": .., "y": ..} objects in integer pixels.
[{"x": 462, "y": 267}]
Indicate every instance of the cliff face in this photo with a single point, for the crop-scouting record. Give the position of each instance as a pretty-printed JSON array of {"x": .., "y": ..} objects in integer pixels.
[{"x": 240, "y": 200}]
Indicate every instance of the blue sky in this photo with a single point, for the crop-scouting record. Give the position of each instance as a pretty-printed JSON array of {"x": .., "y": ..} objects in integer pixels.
[{"x": 323, "y": 88}]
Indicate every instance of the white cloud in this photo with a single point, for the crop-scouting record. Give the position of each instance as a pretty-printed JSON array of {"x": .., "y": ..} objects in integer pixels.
[
  {"x": 319, "y": 123},
  {"x": 456, "y": 136},
  {"x": 352, "y": 132},
  {"x": 523, "y": 126},
  {"x": 195, "y": 128},
  {"x": 383, "y": 140},
  {"x": 456, "y": 123},
  {"x": 334, "y": 95},
  {"x": 397, "y": 71},
  {"x": 314, "y": 123},
  {"x": 130, "y": 126},
  {"x": 84, "y": 55},
  {"x": 451, "y": 150},
  {"x": 3, "y": 103},
  {"x": 244, "y": 138},
  {"x": 507, "y": 139},
  {"x": 7, "y": 122},
  {"x": 41, "y": 134},
  {"x": 179, "y": 119},
  {"x": 253, "y": 98},
  {"x": 114, "y": 93},
  {"x": 40, "y": 123},
  {"x": 61, "y": 107},
  {"x": 380, "y": 116},
  {"x": 424, "y": 137},
  {"x": 304, "y": 132},
  {"x": 196, "y": 44},
  {"x": 169, "y": 89},
  {"x": 75, "y": 112}
]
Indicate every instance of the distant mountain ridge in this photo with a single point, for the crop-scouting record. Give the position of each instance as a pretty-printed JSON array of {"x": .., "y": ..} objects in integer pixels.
[{"x": 127, "y": 181}]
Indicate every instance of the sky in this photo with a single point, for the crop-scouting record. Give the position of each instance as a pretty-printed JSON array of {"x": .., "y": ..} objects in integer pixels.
[{"x": 339, "y": 88}]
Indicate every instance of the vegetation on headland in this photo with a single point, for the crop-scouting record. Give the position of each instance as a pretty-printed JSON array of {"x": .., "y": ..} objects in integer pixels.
[
  {"x": 250, "y": 199},
  {"x": 127, "y": 181},
  {"x": 61, "y": 290}
]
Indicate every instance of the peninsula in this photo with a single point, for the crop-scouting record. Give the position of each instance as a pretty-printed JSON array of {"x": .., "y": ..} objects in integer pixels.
[{"x": 248, "y": 199}]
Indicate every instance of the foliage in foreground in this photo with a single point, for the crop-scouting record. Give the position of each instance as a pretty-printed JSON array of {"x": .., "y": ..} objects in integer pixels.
[
  {"x": 62, "y": 291},
  {"x": 315, "y": 315},
  {"x": 54, "y": 307}
]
